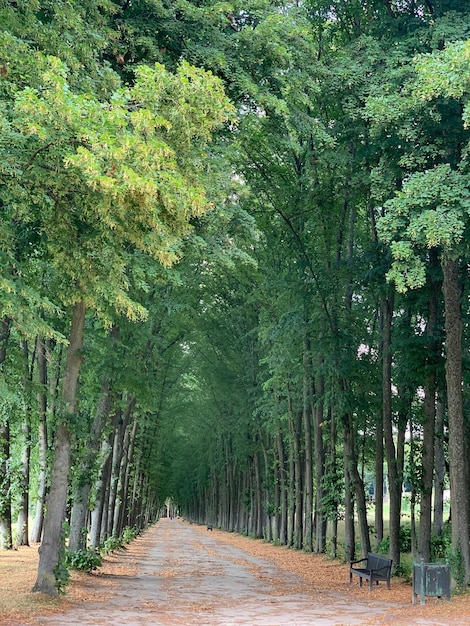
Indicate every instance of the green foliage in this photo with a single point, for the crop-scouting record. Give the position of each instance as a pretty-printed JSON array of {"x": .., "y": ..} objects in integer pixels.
[
  {"x": 441, "y": 545},
  {"x": 457, "y": 566},
  {"x": 112, "y": 544},
  {"x": 404, "y": 570},
  {"x": 61, "y": 572},
  {"x": 404, "y": 539},
  {"x": 84, "y": 560},
  {"x": 129, "y": 534}
]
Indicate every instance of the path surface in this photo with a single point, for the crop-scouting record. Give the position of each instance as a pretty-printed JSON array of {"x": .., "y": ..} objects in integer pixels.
[{"x": 189, "y": 577}]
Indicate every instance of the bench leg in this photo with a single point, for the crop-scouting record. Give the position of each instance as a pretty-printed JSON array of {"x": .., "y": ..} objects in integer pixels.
[{"x": 360, "y": 581}]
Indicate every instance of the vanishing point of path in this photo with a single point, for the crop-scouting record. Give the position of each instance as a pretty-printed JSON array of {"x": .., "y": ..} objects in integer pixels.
[{"x": 188, "y": 577}]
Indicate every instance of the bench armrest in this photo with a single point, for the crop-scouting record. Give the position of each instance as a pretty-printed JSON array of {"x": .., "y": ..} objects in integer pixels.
[{"x": 358, "y": 561}]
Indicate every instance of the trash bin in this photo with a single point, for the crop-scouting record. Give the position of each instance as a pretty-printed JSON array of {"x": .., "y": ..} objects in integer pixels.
[{"x": 431, "y": 579}]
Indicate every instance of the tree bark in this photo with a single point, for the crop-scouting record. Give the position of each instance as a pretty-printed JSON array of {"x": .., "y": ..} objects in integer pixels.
[
  {"x": 430, "y": 391},
  {"x": 319, "y": 447},
  {"x": 394, "y": 483},
  {"x": 6, "y": 541},
  {"x": 283, "y": 490},
  {"x": 5, "y": 497},
  {"x": 440, "y": 470},
  {"x": 379, "y": 480},
  {"x": 308, "y": 474},
  {"x": 349, "y": 528},
  {"x": 357, "y": 483},
  {"x": 22, "y": 533},
  {"x": 98, "y": 523},
  {"x": 53, "y": 540},
  {"x": 458, "y": 452},
  {"x": 42, "y": 440},
  {"x": 78, "y": 518}
]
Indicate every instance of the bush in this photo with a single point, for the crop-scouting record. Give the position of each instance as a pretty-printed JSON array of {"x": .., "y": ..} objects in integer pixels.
[
  {"x": 84, "y": 560},
  {"x": 405, "y": 541},
  {"x": 129, "y": 534},
  {"x": 440, "y": 546},
  {"x": 112, "y": 544},
  {"x": 404, "y": 570}
]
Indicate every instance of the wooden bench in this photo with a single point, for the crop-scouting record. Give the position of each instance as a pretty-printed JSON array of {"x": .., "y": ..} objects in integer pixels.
[{"x": 372, "y": 567}]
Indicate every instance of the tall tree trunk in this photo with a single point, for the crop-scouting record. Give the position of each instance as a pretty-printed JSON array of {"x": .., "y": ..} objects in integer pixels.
[
  {"x": 430, "y": 391},
  {"x": 308, "y": 475},
  {"x": 42, "y": 439},
  {"x": 349, "y": 528},
  {"x": 98, "y": 523},
  {"x": 5, "y": 492},
  {"x": 379, "y": 480},
  {"x": 319, "y": 447},
  {"x": 258, "y": 497},
  {"x": 117, "y": 467},
  {"x": 52, "y": 543},
  {"x": 78, "y": 517},
  {"x": 268, "y": 528},
  {"x": 23, "y": 503},
  {"x": 6, "y": 541},
  {"x": 458, "y": 452},
  {"x": 440, "y": 470},
  {"x": 22, "y": 532},
  {"x": 283, "y": 489},
  {"x": 129, "y": 465},
  {"x": 290, "y": 489},
  {"x": 332, "y": 469},
  {"x": 394, "y": 484},
  {"x": 356, "y": 481}
]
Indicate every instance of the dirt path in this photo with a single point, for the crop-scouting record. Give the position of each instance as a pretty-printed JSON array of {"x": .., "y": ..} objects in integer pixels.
[{"x": 186, "y": 575}]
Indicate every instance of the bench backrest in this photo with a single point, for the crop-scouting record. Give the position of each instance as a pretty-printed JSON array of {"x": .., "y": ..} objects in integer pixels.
[{"x": 375, "y": 561}]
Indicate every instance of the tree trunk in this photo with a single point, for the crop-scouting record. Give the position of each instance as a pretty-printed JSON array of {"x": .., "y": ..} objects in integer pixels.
[
  {"x": 283, "y": 490},
  {"x": 320, "y": 538},
  {"x": 379, "y": 481},
  {"x": 349, "y": 528},
  {"x": 268, "y": 528},
  {"x": 308, "y": 475},
  {"x": 290, "y": 489},
  {"x": 117, "y": 475},
  {"x": 125, "y": 521},
  {"x": 6, "y": 541},
  {"x": 430, "y": 390},
  {"x": 440, "y": 470},
  {"x": 394, "y": 484},
  {"x": 22, "y": 532},
  {"x": 78, "y": 518},
  {"x": 357, "y": 483},
  {"x": 57, "y": 499},
  {"x": 98, "y": 523},
  {"x": 258, "y": 497},
  {"x": 458, "y": 453},
  {"x": 42, "y": 440},
  {"x": 5, "y": 497}
]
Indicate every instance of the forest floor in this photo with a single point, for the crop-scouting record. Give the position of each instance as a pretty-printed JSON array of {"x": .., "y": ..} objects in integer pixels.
[{"x": 177, "y": 573}]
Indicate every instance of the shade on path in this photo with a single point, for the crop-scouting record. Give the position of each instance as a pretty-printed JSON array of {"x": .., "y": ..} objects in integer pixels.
[{"x": 189, "y": 576}]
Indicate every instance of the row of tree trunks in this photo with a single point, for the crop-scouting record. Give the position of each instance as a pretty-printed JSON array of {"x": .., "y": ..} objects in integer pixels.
[{"x": 82, "y": 488}]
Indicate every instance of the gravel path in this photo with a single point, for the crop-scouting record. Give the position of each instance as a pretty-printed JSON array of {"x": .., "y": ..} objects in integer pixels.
[{"x": 188, "y": 577}]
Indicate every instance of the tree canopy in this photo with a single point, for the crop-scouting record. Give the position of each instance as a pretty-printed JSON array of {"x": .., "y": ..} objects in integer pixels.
[{"x": 234, "y": 273}]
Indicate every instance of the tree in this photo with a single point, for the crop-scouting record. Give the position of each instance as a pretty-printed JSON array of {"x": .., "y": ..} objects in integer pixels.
[
  {"x": 431, "y": 212},
  {"x": 128, "y": 169}
]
